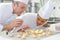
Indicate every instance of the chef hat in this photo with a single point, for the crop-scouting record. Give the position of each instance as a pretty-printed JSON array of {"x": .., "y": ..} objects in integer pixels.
[
  {"x": 46, "y": 10},
  {"x": 23, "y": 1}
]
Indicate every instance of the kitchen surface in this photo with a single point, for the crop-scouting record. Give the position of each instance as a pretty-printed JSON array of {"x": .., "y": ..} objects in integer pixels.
[
  {"x": 50, "y": 36},
  {"x": 51, "y": 32}
]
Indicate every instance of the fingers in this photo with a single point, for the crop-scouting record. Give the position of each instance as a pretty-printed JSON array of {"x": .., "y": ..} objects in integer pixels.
[
  {"x": 57, "y": 28},
  {"x": 20, "y": 30},
  {"x": 19, "y": 20},
  {"x": 16, "y": 23},
  {"x": 25, "y": 27},
  {"x": 46, "y": 25}
]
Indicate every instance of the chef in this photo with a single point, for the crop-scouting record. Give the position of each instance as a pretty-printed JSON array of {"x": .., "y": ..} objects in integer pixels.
[
  {"x": 33, "y": 20},
  {"x": 9, "y": 12}
]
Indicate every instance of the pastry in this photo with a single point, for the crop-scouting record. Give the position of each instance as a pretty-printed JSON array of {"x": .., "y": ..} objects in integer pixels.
[
  {"x": 11, "y": 34},
  {"x": 19, "y": 34},
  {"x": 41, "y": 31}
]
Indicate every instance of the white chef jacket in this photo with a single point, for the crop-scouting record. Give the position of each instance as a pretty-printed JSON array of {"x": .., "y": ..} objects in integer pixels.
[{"x": 6, "y": 15}]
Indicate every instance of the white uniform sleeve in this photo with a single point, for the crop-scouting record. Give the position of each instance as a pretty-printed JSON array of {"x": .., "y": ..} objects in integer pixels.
[
  {"x": 46, "y": 10},
  {"x": 1, "y": 26},
  {"x": 2, "y": 12}
]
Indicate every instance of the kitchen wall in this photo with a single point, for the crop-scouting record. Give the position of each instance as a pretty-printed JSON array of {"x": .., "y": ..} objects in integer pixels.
[{"x": 56, "y": 12}]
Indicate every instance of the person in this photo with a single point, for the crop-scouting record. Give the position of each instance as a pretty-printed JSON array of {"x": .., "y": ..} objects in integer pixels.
[
  {"x": 9, "y": 12},
  {"x": 34, "y": 20}
]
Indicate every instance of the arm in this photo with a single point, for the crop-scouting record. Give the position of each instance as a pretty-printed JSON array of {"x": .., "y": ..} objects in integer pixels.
[{"x": 14, "y": 23}]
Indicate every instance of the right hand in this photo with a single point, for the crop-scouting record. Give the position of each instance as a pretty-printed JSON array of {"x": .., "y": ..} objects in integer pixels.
[{"x": 16, "y": 23}]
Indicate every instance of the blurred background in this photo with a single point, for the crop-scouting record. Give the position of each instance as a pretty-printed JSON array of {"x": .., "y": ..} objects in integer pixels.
[{"x": 35, "y": 5}]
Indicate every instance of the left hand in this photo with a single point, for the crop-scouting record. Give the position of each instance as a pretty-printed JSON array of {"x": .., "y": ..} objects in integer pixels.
[
  {"x": 46, "y": 25},
  {"x": 57, "y": 28}
]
